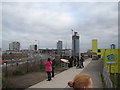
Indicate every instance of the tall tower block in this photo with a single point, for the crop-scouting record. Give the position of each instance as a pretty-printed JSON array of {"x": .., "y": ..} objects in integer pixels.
[
  {"x": 94, "y": 46},
  {"x": 75, "y": 44}
]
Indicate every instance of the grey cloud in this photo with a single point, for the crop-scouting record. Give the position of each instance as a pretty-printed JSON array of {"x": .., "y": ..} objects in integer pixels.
[{"x": 49, "y": 22}]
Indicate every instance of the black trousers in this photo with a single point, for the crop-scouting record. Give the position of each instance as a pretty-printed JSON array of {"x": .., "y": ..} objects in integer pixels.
[
  {"x": 82, "y": 64},
  {"x": 53, "y": 71},
  {"x": 74, "y": 63},
  {"x": 78, "y": 64},
  {"x": 49, "y": 75}
]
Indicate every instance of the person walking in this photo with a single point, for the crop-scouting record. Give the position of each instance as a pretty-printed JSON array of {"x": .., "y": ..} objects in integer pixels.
[
  {"x": 81, "y": 61},
  {"x": 53, "y": 66},
  {"x": 75, "y": 60},
  {"x": 71, "y": 62},
  {"x": 48, "y": 68},
  {"x": 78, "y": 62}
]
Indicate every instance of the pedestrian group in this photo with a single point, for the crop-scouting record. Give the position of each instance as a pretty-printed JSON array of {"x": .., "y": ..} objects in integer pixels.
[
  {"x": 76, "y": 61},
  {"x": 73, "y": 61}
]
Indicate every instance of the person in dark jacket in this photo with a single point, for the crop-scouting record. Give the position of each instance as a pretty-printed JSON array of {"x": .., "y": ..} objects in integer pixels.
[
  {"x": 75, "y": 60},
  {"x": 71, "y": 62},
  {"x": 81, "y": 61},
  {"x": 78, "y": 62},
  {"x": 53, "y": 66}
]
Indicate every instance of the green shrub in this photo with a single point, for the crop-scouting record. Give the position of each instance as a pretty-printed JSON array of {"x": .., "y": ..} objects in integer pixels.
[
  {"x": 17, "y": 72},
  {"x": 116, "y": 80},
  {"x": 6, "y": 83}
]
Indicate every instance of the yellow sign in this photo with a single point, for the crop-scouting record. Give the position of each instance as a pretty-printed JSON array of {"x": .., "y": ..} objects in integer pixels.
[{"x": 110, "y": 56}]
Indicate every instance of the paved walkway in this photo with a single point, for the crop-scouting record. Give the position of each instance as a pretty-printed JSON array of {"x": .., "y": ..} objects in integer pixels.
[
  {"x": 61, "y": 80},
  {"x": 94, "y": 70}
]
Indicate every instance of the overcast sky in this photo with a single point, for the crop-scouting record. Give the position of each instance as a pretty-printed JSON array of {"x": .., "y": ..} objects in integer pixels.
[{"x": 49, "y": 22}]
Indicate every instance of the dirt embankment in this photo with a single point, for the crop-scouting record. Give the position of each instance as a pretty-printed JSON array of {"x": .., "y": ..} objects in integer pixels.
[
  {"x": 25, "y": 81},
  {"x": 28, "y": 79}
]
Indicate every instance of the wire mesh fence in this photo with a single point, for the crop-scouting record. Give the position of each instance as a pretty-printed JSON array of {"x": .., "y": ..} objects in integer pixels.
[{"x": 106, "y": 77}]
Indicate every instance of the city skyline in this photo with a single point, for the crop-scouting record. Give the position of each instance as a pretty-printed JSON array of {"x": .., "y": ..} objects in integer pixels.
[{"x": 50, "y": 22}]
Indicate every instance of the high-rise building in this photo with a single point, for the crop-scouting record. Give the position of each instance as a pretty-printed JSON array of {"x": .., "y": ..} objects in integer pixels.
[
  {"x": 59, "y": 45},
  {"x": 75, "y": 44},
  {"x": 94, "y": 46},
  {"x": 33, "y": 47},
  {"x": 14, "y": 46}
]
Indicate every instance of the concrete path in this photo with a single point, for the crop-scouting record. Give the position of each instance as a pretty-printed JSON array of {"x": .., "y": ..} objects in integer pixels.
[
  {"x": 61, "y": 80},
  {"x": 94, "y": 70}
]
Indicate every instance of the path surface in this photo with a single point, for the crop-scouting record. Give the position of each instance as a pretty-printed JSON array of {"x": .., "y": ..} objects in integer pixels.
[
  {"x": 61, "y": 80},
  {"x": 94, "y": 69}
]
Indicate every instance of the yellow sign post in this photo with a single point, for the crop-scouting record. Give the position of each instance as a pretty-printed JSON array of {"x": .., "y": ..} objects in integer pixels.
[{"x": 111, "y": 59}]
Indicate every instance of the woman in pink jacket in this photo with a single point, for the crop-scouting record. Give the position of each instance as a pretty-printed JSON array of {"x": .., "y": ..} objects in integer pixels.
[{"x": 48, "y": 68}]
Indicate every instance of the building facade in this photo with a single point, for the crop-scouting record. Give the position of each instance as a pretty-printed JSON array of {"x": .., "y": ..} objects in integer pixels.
[
  {"x": 75, "y": 44},
  {"x": 14, "y": 46},
  {"x": 33, "y": 47},
  {"x": 59, "y": 45},
  {"x": 94, "y": 46}
]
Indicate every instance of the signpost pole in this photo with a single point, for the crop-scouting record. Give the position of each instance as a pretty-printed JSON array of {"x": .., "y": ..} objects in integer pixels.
[{"x": 110, "y": 67}]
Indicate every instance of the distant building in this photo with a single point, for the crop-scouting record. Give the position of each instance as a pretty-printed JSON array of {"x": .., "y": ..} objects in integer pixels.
[
  {"x": 33, "y": 47},
  {"x": 75, "y": 44},
  {"x": 94, "y": 46},
  {"x": 63, "y": 52},
  {"x": 59, "y": 45},
  {"x": 14, "y": 46},
  {"x": 112, "y": 46}
]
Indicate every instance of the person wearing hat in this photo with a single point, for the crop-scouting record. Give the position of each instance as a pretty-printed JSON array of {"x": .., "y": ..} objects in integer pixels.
[{"x": 81, "y": 81}]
